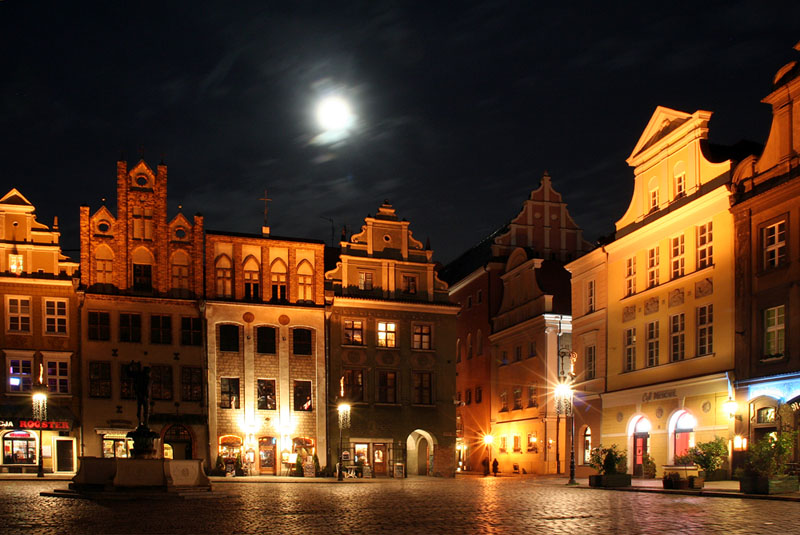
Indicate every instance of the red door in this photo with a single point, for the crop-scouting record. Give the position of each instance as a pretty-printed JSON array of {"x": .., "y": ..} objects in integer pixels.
[{"x": 639, "y": 449}]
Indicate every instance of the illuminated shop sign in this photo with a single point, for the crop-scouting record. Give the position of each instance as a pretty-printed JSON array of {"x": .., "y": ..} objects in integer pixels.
[
  {"x": 37, "y": 424},
  {"x": 660, "y": 394}
]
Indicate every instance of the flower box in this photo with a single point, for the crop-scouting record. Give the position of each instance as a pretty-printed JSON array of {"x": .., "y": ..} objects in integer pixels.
[{"x": 768, "y": 485}]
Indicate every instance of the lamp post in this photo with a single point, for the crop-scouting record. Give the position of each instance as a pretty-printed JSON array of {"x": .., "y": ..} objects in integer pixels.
[
  {"x": 344, "y": 423},
  {"x": 564, "y": 395},
  {"x": 487, "y": 440},
  {"x": 39, "y": 400}
]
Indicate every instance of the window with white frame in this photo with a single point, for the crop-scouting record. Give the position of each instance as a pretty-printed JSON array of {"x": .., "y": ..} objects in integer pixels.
[
  {"x": 705, "y": 247},
  {"x": 630, "y": 276},
  {"x": 353, "y": 332},
  {"x": 652, "y": 267},
  {"x": 677, "y": 337},
  {"x": 590, "y": 355},
  {"x": 20, "y": 374},
  {"x": 680, "y": 185},
  {"x": 629, "y": 339},
  {"x": 652, "y": 344},
  {"x": 365, "y": 280},
  {"x": 653, "y": 199},
  {"x": 774, "y": 244},
  {"x": 18, "y": 312},
  {"x": 676, "y": 257},
  {"x": 387, "y": 334},
  {"x": 305, "y": 282},
  {"x": 421, "y": 337},
  {"x": 409, "y": 284},
  {"x": 590, "y": 297},
  {"x": 16, "y": 264},
  {"x": 57, "y": 375},
  {"x": 55, "y": 316},
  {"x": 705, "y": 329},
  {"x": 774, "y": 332}
]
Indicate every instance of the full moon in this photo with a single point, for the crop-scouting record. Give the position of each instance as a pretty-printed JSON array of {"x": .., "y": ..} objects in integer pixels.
[{"x": 333, "y": 113}]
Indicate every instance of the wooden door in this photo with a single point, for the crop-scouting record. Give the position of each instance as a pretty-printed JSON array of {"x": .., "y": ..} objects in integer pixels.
[
  {"x": 266, "y": 455},
  {"x": 379, "y": 459},
  {"x": 639, "y": 450}
]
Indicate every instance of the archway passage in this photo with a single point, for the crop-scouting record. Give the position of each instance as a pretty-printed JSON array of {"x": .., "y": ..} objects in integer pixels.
[
  {"x": 180, "y": 440},
  {"x": 420, "y": 446}
]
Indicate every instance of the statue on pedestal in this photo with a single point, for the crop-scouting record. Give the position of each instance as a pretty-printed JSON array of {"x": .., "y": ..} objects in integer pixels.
[{"x": 142, "y": 437}]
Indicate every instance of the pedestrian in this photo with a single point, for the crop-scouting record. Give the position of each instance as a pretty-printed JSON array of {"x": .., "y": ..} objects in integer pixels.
[
  {"x": 494, "y": 467},
  {"x": 485, "y": 463}
]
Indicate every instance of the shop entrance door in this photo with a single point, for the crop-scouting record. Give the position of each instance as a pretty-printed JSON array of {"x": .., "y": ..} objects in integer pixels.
[
  {"x": 639, "y": 449},
  {"x": 65, "y": 455},
  {"x": 266, "y": 455},
  {"x": 379, "y": 459}
]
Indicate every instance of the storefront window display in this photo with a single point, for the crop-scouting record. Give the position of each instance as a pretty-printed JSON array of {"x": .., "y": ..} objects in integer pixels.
[
  {"x": 362, "y": 453},
  {"x": 303, "y": 447},
  {"x": 116, "y": 446},
  {"x": 19, "y": 447},
  {"x": 230, "y": 446}
]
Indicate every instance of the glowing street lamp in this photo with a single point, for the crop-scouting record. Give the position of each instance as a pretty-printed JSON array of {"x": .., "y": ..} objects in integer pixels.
[
  {"x": 344, "y": 423},
  {"x": 563, "y": 394},
  {"x": 487, "y": 440},
  {"x": 39, "y": 400}
]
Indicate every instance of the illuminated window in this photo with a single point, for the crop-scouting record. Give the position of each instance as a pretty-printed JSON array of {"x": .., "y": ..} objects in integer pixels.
[
  {"x": 104, "y": 265},
  {"x": 705, "y": 247},
  {"x": 630, "y": 276},
  {"x": 15, "y": 264},
  {"x": 421, "y": 338},
  {"x": 590, "y": 297},
  {"x": 774, "y": 332},
  {"x": 224, "y": 276},
  {"x": 99, "y": 379},
  {"x": 517, "y": 398},
  {"x": 229, "y": 338},
  {"x": 503, "y": 443},
  {"x": 130, "y": 328},
  {"x": 252, "y": 280},
  {"x": 57, "y": 375},
  {"x": 590, "y": 354},
  {"x": 684, "y": 431},
  {"x": 387, "y": 386},
  {"x": 652, "y": 267},
  {"x": 774, "y": 244},
  {"x": 503, "y": 401},
  {"x": 629, "y": 341},
  {"x": 652, "y": 344},
  {"x": 765, "y": 415},
  {"x": 705, "y": 330},
  {"x": 160, "y": 329},
  {"x": 301, "y": 339},
  {"x": 302, "y": 396},
  {"x": 680, "y": 185},
  {"x": 422, "y": 388},
  {"x": 18, "y": 312},
  {"x": 99, "y": 327},
  {"x": 305, "y": 282},
  {"x": 409, "y": 284},
  {"x": 677, "y": 336},
  {"x": 19, "y": 447},
  {"x": 532, "y": 442},
  {"x": 20, "y": 374},
  {"x": 365, "y": 280},
  {"x": 587, "y": 445},
  {"x": 180, "y": 273},
  {"x": 266, "y": 395},
  {"x": 117, "y": 446},
  {"x": 161, "y": 382},
  {"x": 191, "y": 331},
  {"x": 387, "y": 334},
  {"x": 353, "y": 385},
  {"x": 55, "y": 316},
  {"x": 676, "y": 258},
  {"x": 266, "y": 340},
  {"x": 278, "y": 281},
  {"x": 229, "y": 393},
  {"x": 191, "y": 383},
  {"x": 517, "y": 443},
  {"x": 653, "y": 199}
]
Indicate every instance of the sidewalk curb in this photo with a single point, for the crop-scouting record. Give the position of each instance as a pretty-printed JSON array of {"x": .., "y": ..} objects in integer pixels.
[{"x": 701, "y": 493}]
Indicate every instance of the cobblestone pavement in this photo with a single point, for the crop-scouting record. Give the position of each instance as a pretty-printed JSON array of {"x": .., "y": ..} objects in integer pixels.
[{"x": 423, "y": 505}]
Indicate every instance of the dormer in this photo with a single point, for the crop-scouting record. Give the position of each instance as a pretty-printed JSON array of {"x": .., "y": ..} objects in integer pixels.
[{"x": 669, "y": 163}]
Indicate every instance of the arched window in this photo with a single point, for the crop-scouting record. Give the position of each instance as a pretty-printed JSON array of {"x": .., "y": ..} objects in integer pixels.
[
  {"x": 278, "y": 280},
  {"x": 224, "y": 274},
  {"x": 305, "y": 279},
  {"x": 469, "y": 346},
  {"x": 587, "y": 444},
  {"x": 684, "y": 433},
  {"x": 104, "y": 265},
  {"x": 143, "y": 261},
  {"x": 479, "y": 343},
  {"x": 180, "y": 273},
  {"x": 252, "y": 279}
]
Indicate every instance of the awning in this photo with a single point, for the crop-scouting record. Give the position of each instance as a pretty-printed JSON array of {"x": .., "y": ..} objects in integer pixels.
[{"x": 20, "y": 416}]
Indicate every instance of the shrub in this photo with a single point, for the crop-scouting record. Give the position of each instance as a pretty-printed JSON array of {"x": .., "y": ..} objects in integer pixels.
[
  {"x": 648, "y": 466},
  {"x": 298, "y": 467},
  {"x": 316, "y": 465},
  {"x": 609, "y": 460},
  {"x": 219, "y": 465},
  {"x": 684, "y": 460},
  {"x": 709, "y": 456},
  {"x": 768, "y": 456}
]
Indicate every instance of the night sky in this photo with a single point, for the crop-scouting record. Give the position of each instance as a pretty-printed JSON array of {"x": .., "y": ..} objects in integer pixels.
[{"x": 461, "y": 105}]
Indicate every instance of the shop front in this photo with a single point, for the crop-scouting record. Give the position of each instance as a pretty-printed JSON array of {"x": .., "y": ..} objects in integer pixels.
[
  {"x": 374, "y": 457},
  {"x": 21, "y": 435}
]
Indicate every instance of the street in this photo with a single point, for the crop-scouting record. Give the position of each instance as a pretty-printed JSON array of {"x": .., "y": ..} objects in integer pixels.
[{"x": 415, "y": 505}]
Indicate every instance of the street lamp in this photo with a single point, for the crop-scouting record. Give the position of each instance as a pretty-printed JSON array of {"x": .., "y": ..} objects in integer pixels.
[
  {"x": 563, "y": 394},
  {"x": 39, "y": 400},
  {"x": 487, "y": 440},
  {"x": 344, "y": 423}
]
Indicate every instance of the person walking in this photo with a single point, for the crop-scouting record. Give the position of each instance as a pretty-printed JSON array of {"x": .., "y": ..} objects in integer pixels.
[
  {"x": 494, "y": 467},
  {"x": 485, "y": 463}
]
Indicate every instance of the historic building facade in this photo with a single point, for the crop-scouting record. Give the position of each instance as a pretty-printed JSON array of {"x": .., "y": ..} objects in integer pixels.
[
  {"x": 766, "y": 214},
  {"x": 669, "y": 289},
  {"x": 39, "y": 343},
  {"x": 141, "y": 281},
  {"x": 514, "y": 323},
  {"x": 265, "y": 313},
  {"x": 392, "y": 339}
]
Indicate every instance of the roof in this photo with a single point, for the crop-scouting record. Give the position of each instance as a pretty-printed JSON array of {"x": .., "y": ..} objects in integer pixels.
[
  {"x": 470, "y": 260},
  {"x": 261, "y": 236}
]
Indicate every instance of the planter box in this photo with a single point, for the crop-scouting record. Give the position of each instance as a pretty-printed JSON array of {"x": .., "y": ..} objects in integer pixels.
[
  {"x": 716, "y": 475},
  {"x": 696, "y": 482},
  {"x": 764, "y": 485},
  {"x": 610, "y": 480}
]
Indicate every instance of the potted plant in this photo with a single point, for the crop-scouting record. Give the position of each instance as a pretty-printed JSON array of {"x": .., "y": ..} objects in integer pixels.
[
  {"x": 764, "y": 470},
  {"x": 673, "y": 480},
  {"x": 238, "y": 467},
  {"x": 298, "y": 467},
  {"x": 708, "y": 456},
  {"x": 219, "y": 468},
  {"x": 648, "y": 467},
  {"x": 612, "y": 465}
]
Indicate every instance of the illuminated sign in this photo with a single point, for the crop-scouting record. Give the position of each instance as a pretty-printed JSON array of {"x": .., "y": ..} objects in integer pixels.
[
  {"x": 661, "y": 394},
  {"x": 43, "y": 424}
]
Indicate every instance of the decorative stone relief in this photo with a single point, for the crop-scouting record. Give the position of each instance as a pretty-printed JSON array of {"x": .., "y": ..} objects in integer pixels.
[
  {"x": 284, "y": 319},
  {"x": 248, "y": 317},
  {"x": 659, "y": 412},
  {"x": 629, "y": 313},
  {"x": 651, "y": 305},
  {"x": 704, "y": 287},
  {"x": 387, "y": 359},
  {"x": 423, "y": 361},
  {"x": 676, "y": 297},
  {"x": 707, "y": 406},
  {"x": 619, "y": 416},
  {"x": 355, "y": 357}
]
